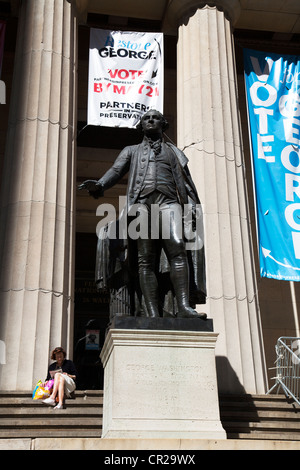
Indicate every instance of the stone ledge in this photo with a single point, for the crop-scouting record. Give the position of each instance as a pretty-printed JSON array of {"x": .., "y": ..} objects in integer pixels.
[
  {"x": 161, "y": 323},
  {"x": 145, "y": 444}
]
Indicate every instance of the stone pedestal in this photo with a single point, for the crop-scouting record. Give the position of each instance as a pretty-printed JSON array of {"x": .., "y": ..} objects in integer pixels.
[{"x": 160, "y": 383}]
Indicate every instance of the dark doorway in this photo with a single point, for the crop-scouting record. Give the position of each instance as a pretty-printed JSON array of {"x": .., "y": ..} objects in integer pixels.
[{"x": 91, "y": 316}]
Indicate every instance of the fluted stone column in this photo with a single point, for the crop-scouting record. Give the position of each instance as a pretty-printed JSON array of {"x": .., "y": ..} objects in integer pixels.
[
  {"x": 209, "y": 133},
  {"x": 37, "y": 200}
]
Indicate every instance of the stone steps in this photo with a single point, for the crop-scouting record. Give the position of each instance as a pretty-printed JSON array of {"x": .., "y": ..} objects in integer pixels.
[
  {"x": 22, "y": 417},
  {"x": 263, "y": 417},
  {"x": 260, "y": 417}
]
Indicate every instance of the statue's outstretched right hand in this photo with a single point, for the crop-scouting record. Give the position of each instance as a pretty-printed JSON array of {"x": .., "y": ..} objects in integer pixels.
[{"x": 94, "y": 188}]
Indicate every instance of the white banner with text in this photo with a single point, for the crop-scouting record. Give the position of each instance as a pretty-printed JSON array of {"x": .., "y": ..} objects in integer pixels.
[{"x": 126, "y": 77}]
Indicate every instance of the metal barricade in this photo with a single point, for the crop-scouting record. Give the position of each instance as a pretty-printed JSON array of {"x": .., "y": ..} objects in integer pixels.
[{"x": 287, "y": 367}]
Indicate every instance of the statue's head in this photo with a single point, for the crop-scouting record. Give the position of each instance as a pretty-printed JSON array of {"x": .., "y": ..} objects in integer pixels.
[{"x": 155, "y": 117}]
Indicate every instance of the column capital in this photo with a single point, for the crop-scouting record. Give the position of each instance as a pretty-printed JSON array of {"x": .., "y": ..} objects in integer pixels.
[
  {"x": 81, "y": 8},
  {"x": 179, "y": 11}
]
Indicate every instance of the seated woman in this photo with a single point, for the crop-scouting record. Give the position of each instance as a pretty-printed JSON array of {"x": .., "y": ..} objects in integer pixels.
[{"x": 64, "y": 378}]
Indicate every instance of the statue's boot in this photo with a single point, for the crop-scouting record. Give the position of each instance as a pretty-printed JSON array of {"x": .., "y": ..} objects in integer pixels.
[
  {"x": 149, "y": 288},
  {"x": 152, "y": 310},
  {"x": 180, "y": 281}
]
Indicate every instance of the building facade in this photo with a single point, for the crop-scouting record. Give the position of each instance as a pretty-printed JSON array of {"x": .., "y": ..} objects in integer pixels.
[{"x": 48, "y": 229}]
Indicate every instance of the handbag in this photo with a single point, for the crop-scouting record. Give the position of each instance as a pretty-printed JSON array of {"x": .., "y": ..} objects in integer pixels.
[{"x": 42, "y": 391}]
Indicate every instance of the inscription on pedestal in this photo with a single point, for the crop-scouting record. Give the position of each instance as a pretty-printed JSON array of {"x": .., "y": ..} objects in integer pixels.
[{"x": 180, "y": 386}]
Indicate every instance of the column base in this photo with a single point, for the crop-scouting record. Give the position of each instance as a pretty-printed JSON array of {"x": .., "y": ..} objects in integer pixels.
[{"x": 160, "y": 384}]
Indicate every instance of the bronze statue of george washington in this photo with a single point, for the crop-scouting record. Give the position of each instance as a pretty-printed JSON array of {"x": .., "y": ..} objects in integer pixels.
[{"x": 163, "y": 272}]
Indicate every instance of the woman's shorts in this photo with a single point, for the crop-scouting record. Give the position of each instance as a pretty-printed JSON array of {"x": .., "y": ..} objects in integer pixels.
[{"x": 69, "y": 385}]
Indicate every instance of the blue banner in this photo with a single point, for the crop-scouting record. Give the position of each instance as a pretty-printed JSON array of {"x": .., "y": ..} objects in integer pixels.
[{"x": 273, "y": 99}]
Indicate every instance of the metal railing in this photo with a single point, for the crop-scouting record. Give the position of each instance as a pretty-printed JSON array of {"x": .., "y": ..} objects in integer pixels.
[{"x": 287, "y": 367}]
